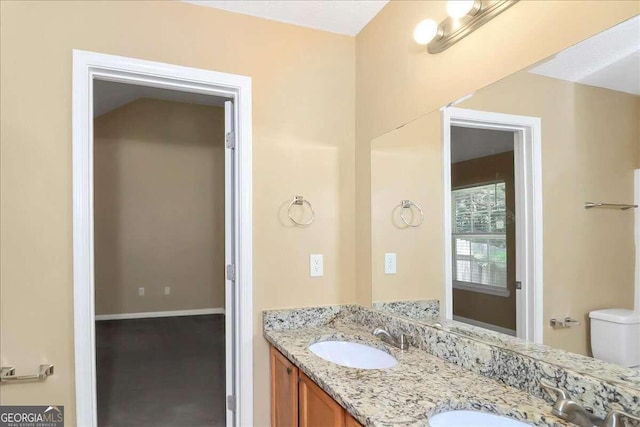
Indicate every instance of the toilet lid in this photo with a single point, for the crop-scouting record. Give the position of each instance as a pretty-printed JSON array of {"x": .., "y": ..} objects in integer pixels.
[{"x": 617, "y": 315}]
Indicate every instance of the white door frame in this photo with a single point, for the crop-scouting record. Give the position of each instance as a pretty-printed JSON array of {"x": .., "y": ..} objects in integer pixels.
[
  {"x": 88, "y": 66},
  {"x": 528, "y": 183}
]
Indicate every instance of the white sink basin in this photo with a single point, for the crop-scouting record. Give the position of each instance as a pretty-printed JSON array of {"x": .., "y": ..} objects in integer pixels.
[
  {"x": 473, "y": 418},
  {"x": 353, "y": 355}
]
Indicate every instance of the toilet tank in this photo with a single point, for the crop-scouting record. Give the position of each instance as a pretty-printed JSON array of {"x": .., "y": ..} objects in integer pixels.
[{"x": 615, "y": 336}]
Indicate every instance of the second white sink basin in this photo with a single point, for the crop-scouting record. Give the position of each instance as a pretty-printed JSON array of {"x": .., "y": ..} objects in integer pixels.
[
  {"x": 353, "y": 355},
  {"x": 473, "y": 418}
]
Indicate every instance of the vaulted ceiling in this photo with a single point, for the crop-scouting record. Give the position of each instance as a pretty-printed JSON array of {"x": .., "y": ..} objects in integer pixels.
[{"x": 111, "y": 95}]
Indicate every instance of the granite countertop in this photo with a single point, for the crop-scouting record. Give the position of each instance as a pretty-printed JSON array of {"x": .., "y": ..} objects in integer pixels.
[
  {"x": 427, "y": 312},
  {"x": 419, "y": 386},
  {"x": 627, "y": 377}
]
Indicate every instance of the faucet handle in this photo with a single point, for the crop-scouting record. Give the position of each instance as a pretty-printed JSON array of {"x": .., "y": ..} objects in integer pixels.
[
  {"x": 403, "y": 342},
  {"x": 613, "y": 418},
  {"x": 559, "y": 393}
]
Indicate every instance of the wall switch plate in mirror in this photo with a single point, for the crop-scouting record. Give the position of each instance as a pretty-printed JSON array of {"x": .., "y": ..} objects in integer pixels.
[
  {"x": 316, "y": 267},
  {"x": 390, "y": 263}
]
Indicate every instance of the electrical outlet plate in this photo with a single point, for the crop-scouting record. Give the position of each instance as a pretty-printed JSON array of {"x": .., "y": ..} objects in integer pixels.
[
  {"x": 316, "y": 265},
  {"x": 390, "y": 263},
  {"x": 167, "y": 290},
  {"x": 141, "y": 292}
]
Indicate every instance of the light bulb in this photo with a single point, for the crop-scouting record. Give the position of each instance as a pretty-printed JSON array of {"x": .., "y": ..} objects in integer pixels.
[
  {"x": 459, "y": 8},
  {"x": 425, "y": 31}
]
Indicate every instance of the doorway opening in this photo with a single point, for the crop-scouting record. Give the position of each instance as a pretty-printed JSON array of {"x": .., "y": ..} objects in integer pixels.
[
  {"x": 159, "y": 230},
  {"x": 483, "y": 228},
  {"x": 493, "y": 221},
  {"x": 162, "y": 243}
]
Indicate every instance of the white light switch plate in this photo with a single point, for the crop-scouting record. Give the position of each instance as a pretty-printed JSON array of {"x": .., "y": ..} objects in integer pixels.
[
  {"x": 141, "y": 292},
  {"x": 316, "y": 267},
  {"x": 390, "y": 263},
  {"x": 167, "y": 290}
]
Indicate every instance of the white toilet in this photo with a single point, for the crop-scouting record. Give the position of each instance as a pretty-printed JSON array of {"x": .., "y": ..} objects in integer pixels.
[{"x": 615, "y": 336}]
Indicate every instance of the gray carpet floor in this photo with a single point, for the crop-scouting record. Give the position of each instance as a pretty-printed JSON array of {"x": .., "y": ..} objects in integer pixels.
[{"x": 161, "y": 372}]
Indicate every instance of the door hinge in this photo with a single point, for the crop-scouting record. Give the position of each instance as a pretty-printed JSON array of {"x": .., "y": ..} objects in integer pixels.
[
  {"x": 231, "y": 272},
  {"x": 518, "y": 285},
  {"x": 231, "y": 403},
  {"x": 230, "y": 139}
]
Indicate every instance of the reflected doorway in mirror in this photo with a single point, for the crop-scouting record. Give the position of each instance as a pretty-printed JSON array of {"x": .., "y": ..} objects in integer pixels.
[{"x": 527, "y": 179}]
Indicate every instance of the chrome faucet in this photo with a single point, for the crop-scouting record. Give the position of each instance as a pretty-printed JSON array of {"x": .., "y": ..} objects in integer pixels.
[
  {"x": 614, "y": 416},
  {"x": 570, "y": 410},
  {"x": 401, "y": 342}
]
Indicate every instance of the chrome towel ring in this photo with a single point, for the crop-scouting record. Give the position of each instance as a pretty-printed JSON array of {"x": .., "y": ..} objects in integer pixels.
[
  {"x": 299, "y": 200},
  {"x": 406, "y": 204}
]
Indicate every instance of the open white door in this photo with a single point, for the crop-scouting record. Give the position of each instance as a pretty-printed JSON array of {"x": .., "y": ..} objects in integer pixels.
[{"x": 230, "y": 240}]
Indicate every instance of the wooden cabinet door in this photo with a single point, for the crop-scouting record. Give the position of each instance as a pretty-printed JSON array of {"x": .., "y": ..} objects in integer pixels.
[
  {"x": 350, "y": 421},
  {"x": 284, "y": 391},
  {"x": 317, "y": 408}
]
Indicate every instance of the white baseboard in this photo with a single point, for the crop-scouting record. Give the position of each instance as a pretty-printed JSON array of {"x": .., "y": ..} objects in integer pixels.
[
  {"x": 150, "y": 314},
  {"x": 484, "y": 325}
]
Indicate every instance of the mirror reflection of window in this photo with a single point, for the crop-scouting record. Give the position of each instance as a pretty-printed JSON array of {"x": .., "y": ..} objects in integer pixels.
[{"x": 479, "y": 235}]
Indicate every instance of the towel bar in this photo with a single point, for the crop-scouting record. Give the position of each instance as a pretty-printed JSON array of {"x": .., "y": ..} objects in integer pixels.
[{"x": 8, "y": 376}]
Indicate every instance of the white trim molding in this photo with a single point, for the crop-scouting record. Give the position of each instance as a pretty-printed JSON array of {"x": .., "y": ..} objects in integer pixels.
[
  {"x": 481, "y": 289},
  {"x": 528, "y": 182},
  {"x": 152, "y": 314},
  {"x": 485, "y": 325},
  {"x": 88, "y": 66},
  {"x": 636, "y": 222}
]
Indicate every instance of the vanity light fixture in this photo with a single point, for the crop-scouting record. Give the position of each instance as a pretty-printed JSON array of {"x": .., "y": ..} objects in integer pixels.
[
  {"x": 425, "y": 31},
  {"x": 459, "y": 8},
  {"x": 465, "y": 16}
]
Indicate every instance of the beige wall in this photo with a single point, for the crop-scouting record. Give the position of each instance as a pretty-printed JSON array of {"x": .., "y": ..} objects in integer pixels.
[
  {"x": 159, "y": 207},
  {"x": 406, "y": 164},
  {"x": 397, "y": 81},
  {"x": 304, "y": 131}
]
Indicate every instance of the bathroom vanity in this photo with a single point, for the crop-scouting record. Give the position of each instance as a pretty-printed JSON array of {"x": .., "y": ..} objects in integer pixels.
[
  {"x": 298, "y": 401},
  {"x": 309, "y": 390},
  {"x": 510, "y": 213}
]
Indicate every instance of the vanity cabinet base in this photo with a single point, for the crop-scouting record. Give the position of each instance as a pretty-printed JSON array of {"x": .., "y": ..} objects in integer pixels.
[
  {"x": 284, "y": 390},
  {"x": 297, "y": 401}
]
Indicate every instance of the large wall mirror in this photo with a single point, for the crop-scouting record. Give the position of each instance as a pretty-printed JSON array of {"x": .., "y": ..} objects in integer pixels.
[{"x": 480, "y": 214}]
